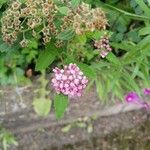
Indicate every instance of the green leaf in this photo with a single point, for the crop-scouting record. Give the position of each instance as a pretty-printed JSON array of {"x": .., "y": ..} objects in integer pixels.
[
  {"x": 133, "y": 16},
  {"x": 100, "y": 90},
  {"x": 60, "y": 104},
  {"x": 144, "y": 7},
  {"x": 66, "y": 128},
  {"x": 125, "y": 45},
  {"x": 87, "y": 70},
  {"x": 3, "y": 2},
  {"x": 90, "y": 128},
  {"x": 6, "y": 48},
  {"x": 81, "y": 39},
  {"x": 143, "y": 43},
  {"x": 63, "y": 10},
  {"x": 112, "y": 58},
  {"x": 46, "y": 57},
  {"x": 33, "y": 44},
  {"x": 131, "y": 82},
  {"x": 81, "y": 124},
  {"x": 66, "y": 34},
  {"x": 144, "y": 31},
  {"x": 75, "y": 3},
  {"x": 42, "y": 106}
]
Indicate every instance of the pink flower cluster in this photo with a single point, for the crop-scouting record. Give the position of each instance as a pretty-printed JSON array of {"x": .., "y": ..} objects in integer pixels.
[
  {"x": 69, "y": 81},
  {"x": 133, "y": 97},
  {"x": 103, "y": 46}
]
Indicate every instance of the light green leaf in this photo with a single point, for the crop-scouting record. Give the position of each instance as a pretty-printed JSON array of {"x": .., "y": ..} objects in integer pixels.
[
  {"x": 81, "y": 39},
  {"x": 81, "y": 124},
  {"x": 63, "y": 10},
  {"x": 144, "y": 31},
  {"x": 60, "y": 104},
  {"x": 143, "y": 43},
  {"x": 42, "y": 106},
  {"x": 66, "y": 128},
  {"x": 100, "y": 90},
  {"x": 75, "y": 3},
  {"x": 66, "y": 34},
  {"x": 90, "y": 128}
]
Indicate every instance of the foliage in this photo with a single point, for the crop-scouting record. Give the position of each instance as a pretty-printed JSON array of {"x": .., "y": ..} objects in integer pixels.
[
  {"x": 7, "y": 139},
  {"x": 125, "y": 68},
  {"x": 41, "y": 103}
]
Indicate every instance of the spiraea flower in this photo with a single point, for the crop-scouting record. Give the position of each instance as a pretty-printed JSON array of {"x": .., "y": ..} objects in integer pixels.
[
  {"x": 134, "y": 98},
  {"x": 69, "y": 81},
  {"x": 103, "y": 46},
  {"x": 146, "y": 91}
]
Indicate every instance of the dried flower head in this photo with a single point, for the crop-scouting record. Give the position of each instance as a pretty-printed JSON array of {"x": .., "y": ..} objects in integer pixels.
[
  {"x": 85, "y": 19},
  {"x": 27, "y": 17},
  {"x": 69, "y": 81},
  {"x": 33, "y": 14},
  {"x": 24, "y": 43}
]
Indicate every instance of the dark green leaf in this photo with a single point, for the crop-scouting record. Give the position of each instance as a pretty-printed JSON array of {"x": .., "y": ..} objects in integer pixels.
[
  {"x": 87, "y": 70},
  {"x": 6, "y": 48},
  {"x": 45, "y": 58},
  {"x": 60, "y": 104}
]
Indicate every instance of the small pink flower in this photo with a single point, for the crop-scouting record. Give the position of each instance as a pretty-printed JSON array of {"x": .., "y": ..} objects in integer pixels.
[
  {"x": 132, "y": 97},
  {"x": 146, "y": 91},
  {"x": 69, "y": 81}
]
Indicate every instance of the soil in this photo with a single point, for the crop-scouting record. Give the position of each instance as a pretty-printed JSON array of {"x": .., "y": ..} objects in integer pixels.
[{"x": 100, "y": 123}]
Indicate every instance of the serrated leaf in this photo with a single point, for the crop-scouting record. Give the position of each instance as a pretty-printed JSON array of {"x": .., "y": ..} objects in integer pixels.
[
  {"x": 87, "y": 70},
  {"x": 63, "y": 10},
  {"x": 60, "y": 104},
  {"x": 6, "y": 48},
  {"x": 75, "y": 3},
  {"x": 46, "y": 57},
  {"x": 42, "y": 106},
  {"x": 66, "y": 34}
]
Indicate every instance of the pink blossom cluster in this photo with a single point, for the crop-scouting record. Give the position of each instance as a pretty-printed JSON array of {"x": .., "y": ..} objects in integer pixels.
[
  {"x": 103, "y": 46},
  {"x": 69, "y": 81},
  {"x": 133, "y": 97}
]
